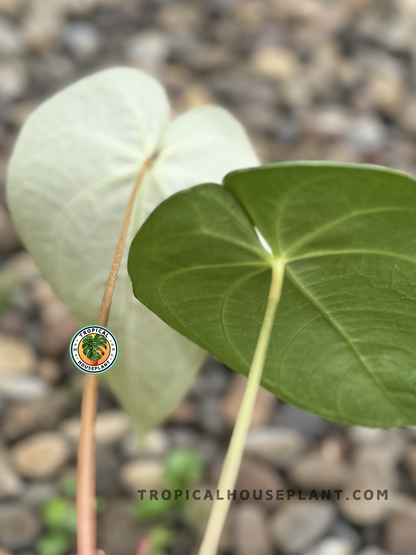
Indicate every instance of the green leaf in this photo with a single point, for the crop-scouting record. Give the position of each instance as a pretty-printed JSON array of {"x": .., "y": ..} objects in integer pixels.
[
  {"x": 183, "y": 466},
  {"x": 160, "y": 538},
  {"x": 59, "y": 512},
  {"x": 68, "y": 485},
  {"x": 69, "y": 181},
  {"x": 56, "y": 542},
  {"x": 152, "y": 508},
  {"x": 343, "y": 343}
]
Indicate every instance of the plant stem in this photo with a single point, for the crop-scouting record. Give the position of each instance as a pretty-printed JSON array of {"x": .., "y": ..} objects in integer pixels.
[
  {"x": 86, "y": 510},
  {"x": 235, "y": 451}
]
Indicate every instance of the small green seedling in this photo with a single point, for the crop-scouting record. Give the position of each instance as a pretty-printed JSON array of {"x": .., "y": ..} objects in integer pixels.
[
  {"x": 160, "y": 538},
  {"x": 182, "y": 468},
  {"x": 59, "y": 516},
  {"x": 55, "y": 542}
]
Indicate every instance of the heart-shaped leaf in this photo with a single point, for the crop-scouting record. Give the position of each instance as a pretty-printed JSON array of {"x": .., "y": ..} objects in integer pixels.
[
  {"x": 343, "y": 343},
  {"x": 70, "y": 178}
]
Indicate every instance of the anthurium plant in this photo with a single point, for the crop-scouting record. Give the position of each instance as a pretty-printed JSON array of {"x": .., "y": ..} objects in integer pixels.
[{"x": 299, "y": 275}]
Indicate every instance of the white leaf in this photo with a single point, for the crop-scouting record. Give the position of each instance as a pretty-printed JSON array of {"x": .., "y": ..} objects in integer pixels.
[{"x": 70, "y": 178}]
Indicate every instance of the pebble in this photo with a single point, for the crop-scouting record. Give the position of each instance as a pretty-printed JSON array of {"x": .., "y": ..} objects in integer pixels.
[
  {"x": 179, "y": 18},
  {"x": 184, "y": 438},
  {"x": 400, "y": 528},
  {"x": 107, "y": 472},
  {"x": 262, "y": 118},
  {"x": 77, "y": 8},
  {"x": 184, "y": 414},
  {"x": 58, "y": 328},
  {"x": 83, "y": 40},
  {"x": 13, "y": 322},
  {"x": 23, "y": 269},
  {"x": 330, "y": 122},
  {"x": 315, "y": 471},
  {"x": 387, "y": 91},
  {"x": 147, "y": 50},
  {"x": 373, "y": 469},
  {"x": 264, "y": 406},
  {"x": 19, "y": 526},
  {"x": 111, "y": 426},
  {"x": 37, "y": 492},
  {"x": 276, "y": 63},
  {"x": 407, "y": 116},
  {"x": 17, "y": 357},
  {"x": 332, "y": 546},
  {"x": 204, "y": 57},
  {"x": 409, "y": 463},
  {"x": 251, "y": 532},
  {"x": 48, "y": 369},
  {"x": 253, "y": 475},
  {"x": 40, "y": 456},
  {"x": 346, "y": 531},
  {"x": 210, "y": 418},
  {"x": 299, "y": 524},
  {"x": 118, "y": 533},
  {"x": 41, "y": 28},
  {"x": 194, "y": 95},
  {"x": 11, "y": 42},
  {"x": 373, "y": 550},
  {"x": 53, "y": 68},
  {"x": 141, "y": 474},
  {"x": 360, "y": 435},
  {"x": 42, "y": 294},
  {"x": 310, "y": 425},
  {"x": 23, "y": 387},
  {"x": 278, "y": 446},
  {"x": 29, "y": 416},
  {"x": 11, "y": 7},
  {"x": 213, "y": 379},
  {"x": 390, "y": 443},
  {"x": 155, "y": 443},
  {"x": 366, "y": 133},
  {"x": 11, "y": 485}
]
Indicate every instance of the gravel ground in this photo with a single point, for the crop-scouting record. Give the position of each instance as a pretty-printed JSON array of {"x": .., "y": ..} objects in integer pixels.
[{"x": 310, "y": 79}]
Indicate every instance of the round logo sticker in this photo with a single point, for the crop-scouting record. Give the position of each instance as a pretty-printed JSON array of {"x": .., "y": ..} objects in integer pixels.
[{"x": 94, "y": 349}]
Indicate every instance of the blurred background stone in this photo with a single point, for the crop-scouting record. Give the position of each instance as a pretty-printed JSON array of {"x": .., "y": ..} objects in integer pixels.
[
  {"x": 19, "y": 526},
  {"x": 41, "y": 455},
  {"x": 298, "y": 524}
]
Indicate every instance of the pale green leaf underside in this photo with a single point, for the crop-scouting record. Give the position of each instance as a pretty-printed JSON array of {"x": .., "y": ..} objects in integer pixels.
[
  {"x": 70, "y": 178},
  {"x": 344, "y": 339}
]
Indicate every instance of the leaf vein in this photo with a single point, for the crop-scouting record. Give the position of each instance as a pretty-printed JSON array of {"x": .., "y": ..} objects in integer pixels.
[
  {"x": 307, "y": 238},
  {"x": 345, "y": 337}
]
